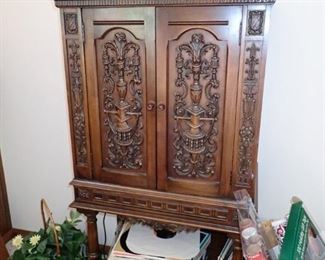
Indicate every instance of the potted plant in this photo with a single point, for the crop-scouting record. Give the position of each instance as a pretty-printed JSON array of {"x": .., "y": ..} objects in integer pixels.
[{"x": 56, "y": 241}]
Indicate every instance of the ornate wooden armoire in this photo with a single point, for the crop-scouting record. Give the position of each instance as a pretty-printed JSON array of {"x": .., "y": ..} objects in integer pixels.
[{"x": 165, "y": 101}]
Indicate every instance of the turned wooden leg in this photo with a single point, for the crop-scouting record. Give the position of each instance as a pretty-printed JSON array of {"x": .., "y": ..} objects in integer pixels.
[
  {"x": 238, "y": 255},
  {"x": 93, "y": 248}
]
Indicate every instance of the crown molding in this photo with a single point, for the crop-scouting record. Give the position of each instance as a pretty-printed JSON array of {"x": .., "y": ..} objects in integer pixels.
[{"x": 112, "y": 3}]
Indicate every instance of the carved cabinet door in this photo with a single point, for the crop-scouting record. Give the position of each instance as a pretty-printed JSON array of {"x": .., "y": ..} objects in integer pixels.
[
  {"x": 120, "y": 64},
  {"x": 198, "y": 52}
]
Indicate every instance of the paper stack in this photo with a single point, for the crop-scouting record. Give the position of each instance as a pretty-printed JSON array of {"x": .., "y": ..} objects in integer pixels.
[{"x": 141, "y": 242}]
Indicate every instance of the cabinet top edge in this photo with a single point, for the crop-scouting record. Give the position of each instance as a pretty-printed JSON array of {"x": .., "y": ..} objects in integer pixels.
[{"x": 162, "y": 3}]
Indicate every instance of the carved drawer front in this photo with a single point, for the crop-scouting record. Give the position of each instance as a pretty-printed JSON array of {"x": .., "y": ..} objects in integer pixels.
[
  {"x": 198, "y": 53},
  {"x": 159, "y": 205},
  {"x": 120, "y": 62}
]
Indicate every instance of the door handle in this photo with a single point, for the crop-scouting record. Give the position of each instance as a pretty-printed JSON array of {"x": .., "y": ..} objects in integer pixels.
[
  {"x": 151, "y": 105},
  {"x": 161, "y": 107}
]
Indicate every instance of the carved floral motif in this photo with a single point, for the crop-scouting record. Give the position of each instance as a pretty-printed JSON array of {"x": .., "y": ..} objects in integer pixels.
[
  {"x": 123, "y": 113},
  {"x": 78, "y": 116},
  {"x": 195, "y": 127},
  {"x": 84, "y": 194},
  {"x": 248, "y": 128}
]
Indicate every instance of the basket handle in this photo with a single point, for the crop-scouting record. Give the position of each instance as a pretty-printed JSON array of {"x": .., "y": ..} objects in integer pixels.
[{"x": 45, "y": 210}]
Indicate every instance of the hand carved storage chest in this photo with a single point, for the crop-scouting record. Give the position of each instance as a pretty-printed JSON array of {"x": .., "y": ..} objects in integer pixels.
[{"x": 165, "y": 101}]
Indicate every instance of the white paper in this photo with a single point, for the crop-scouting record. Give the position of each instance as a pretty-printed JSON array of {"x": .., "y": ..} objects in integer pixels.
[{"x": 143, "y": 240}]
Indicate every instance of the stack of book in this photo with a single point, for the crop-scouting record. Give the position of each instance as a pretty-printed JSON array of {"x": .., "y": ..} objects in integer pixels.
[
  {"x": 227, "y": 251},
  {"x": 141, "y": 242}
]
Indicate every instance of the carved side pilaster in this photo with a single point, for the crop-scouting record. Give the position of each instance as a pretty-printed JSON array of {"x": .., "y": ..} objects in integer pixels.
[
  {"x": 250, "y": 96},
  {"x": 247, "y": 130},
  {"x": 77, "y": 100},
  {"x": 76, "y": 87}
]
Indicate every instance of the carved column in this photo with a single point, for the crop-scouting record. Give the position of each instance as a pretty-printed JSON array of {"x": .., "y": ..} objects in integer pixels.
[
  {"x": 72, "y": 31},
  {"x": 93, "y": 248},
  {"x": 253, "y": 53}
]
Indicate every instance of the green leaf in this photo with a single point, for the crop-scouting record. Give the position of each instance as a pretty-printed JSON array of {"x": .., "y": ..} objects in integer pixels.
[
  {"x": 74, "y": 215},
  {"x": 37, "y": 257},
  {"x": 42, "y": 246},
  {"x": 18, "y": 255},
  {"x": 72, "y": 243}
]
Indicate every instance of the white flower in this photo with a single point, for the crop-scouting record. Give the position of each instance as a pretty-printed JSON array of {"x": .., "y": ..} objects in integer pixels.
[
  {"x": 58, "y": 228},
  {"x": 34, "y": 240},
  {"x": 17, "y": 241}
]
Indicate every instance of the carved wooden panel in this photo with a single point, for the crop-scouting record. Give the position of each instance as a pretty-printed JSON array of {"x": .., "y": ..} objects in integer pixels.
[
  {"x": 248, "y": 126},
  {"x": 121, "y": 63},
  {"x": 77, "y": 100},
  {"x": 250, "y": 91},
  {"x": 168, "y": 145},
  {"x": 255, "y": 23},
  {"x": 120, "y": 54},
  {"x": 157, "y": 204},
  {"x": 196, "y": 104},
  {"x": 71, "y": 23},
  {"x": 199, "y": 102},
  {"x": 77, "y": 91}
]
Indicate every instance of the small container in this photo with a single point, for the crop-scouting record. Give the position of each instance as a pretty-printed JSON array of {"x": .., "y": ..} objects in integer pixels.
[
  {"x": 255, "y": 252},
  {"x": 247, "y": 233},
  {"x": 256, "y": 239},
  {"x": 245, "y": 223}
]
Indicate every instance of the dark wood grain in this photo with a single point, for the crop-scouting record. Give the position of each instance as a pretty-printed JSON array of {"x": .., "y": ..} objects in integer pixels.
[
  {"x": 165, "y": 102},
  {"x": 195, "y": 141},
  {"x": 72, "y": 36},
  {"x": 93, "y": 246},
  {"x": 250, "y": 96},
  {"x": 5, "y": 220},
  {"x": 3, "y": 250},
  {"x": 186, "y": 210},
  {"x": 120, "y": 89}
]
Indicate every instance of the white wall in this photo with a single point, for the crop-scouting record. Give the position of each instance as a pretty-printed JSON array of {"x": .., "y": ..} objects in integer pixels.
[
  {"x": 292, "y": 141},
  {"x": 34, "y": 130}
]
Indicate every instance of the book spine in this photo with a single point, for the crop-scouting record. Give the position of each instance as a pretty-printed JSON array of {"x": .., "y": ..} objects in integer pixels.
[{"x": 295, "y": 240}]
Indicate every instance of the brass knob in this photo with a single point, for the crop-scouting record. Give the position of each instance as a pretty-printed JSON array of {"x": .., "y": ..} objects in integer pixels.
[
  {"x": 161, "y": 107},
  {"x": 151, "y": 105}
]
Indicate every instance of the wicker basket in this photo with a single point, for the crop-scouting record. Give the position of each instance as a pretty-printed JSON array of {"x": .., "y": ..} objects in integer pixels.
[{"x": 48, "y": 221}]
